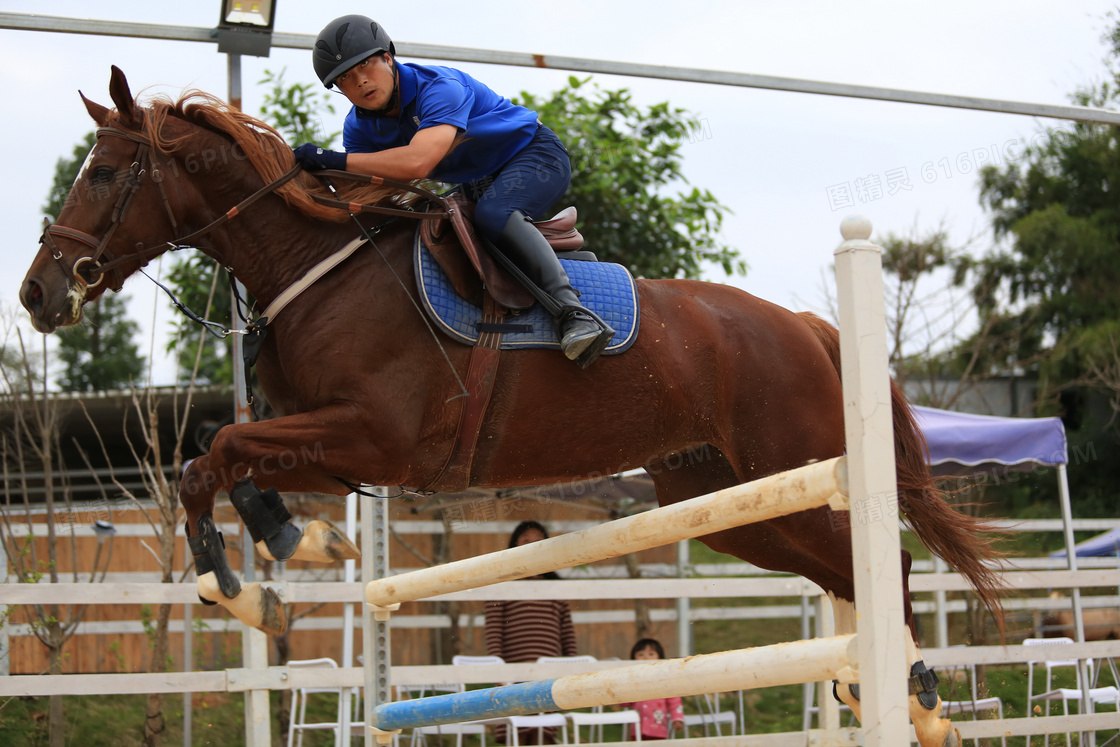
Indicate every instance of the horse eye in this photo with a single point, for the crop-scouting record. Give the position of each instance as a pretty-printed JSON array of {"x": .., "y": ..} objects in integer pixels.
[{"x": 101, "y": 175}]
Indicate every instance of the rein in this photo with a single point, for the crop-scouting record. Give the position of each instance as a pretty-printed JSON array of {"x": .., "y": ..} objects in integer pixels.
[{"x": 98, "y": 269}]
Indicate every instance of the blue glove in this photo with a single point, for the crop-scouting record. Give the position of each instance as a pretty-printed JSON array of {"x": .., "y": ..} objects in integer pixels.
[{"x": 313, "y": 158}]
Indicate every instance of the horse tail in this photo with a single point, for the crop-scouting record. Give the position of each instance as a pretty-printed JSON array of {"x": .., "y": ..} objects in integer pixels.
[{"x": 964, "y": 542}]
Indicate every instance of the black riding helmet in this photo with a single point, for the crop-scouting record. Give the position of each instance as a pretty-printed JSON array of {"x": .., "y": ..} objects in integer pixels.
[{"x": 345, "y": 42}]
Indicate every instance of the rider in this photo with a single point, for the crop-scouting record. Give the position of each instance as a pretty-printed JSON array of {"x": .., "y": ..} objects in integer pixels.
[{"x": 414, "y": 121}]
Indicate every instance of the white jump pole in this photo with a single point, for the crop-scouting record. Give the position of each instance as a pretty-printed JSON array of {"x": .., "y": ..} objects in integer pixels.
[
  {"x": 766, "y": 666},
  {"x": 785, "y": 493},
  {"x": 873, "y": 490}
]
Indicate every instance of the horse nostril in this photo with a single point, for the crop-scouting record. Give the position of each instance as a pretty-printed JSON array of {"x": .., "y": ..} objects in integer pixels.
[{"x": 32, "y": 295}]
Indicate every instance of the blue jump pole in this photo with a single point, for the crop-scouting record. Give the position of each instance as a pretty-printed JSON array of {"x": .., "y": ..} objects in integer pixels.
[{"x": 495, "y": 702}]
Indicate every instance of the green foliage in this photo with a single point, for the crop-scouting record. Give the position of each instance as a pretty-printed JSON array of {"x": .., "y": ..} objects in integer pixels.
[
  {"x": 65, "y": 172},
  {"x": 1054, "y": 278},
  {"x": 625, "y": 160},
  {"x": 296, "y": 110},
  {"x": 100, "y": 353},
  {"x": 192, "y": 277}
]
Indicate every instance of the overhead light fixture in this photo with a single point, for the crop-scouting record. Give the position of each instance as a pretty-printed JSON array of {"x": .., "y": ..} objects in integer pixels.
[{"x": 245, "y": 27}]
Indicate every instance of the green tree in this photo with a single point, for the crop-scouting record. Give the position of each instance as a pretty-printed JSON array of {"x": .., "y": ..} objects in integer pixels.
[
  {"x": 203, "y": 287},
  {"x": 296, "y": 110},
  {"x": 625, "y": 161},
  {"x": 1055, "y": 275},
  {"x": 100, "y": 353}
]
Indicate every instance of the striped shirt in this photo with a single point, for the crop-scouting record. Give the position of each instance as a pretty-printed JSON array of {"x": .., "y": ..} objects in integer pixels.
[{"x": 523, "y": 630}]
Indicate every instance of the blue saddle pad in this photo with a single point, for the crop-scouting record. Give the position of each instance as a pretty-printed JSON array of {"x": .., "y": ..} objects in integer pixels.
[{"x": 607, "y": 289}]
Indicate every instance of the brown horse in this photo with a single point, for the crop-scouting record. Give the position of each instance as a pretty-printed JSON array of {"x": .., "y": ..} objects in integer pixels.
[{"x": 367, "y": 397}]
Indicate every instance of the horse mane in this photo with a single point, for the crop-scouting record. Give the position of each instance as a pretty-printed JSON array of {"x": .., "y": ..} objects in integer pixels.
[{"x": 266, "y": 150}]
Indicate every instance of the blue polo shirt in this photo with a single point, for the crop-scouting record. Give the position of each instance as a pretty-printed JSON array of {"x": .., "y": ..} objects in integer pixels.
[{"x": 492, "y": 129}]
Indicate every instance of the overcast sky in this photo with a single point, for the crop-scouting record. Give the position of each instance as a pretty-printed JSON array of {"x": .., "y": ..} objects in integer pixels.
[{"x": 789, "y": 165}]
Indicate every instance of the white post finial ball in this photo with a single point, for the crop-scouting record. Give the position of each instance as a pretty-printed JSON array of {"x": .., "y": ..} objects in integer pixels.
[{"x": 855, "y": 227}]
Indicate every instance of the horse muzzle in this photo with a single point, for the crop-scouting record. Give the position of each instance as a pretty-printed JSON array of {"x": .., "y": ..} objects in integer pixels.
[{"x": 49, "y": 309}]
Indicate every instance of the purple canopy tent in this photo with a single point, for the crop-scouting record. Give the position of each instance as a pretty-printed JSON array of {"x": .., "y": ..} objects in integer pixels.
[{"x": 965, "y": 444}]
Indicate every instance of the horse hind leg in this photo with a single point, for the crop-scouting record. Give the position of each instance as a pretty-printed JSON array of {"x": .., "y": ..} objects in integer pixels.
[{"x": 932, "y": 729}]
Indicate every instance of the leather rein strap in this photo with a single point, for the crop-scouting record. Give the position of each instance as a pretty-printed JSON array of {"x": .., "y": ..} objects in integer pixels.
[{"x": 98, "y": 269}]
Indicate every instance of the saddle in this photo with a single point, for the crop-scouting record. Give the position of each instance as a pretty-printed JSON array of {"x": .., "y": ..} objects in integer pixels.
[
  {"x": 457, "y": 248},
  {"x": 472, "y": 299}
]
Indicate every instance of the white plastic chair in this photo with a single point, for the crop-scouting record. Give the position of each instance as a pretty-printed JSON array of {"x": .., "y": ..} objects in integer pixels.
[
  {"x": 586, "y": 659},
  {"x": 601, "y": 719},
  {"x": 1096, "y": 695},
  {"x": 297, "y": 718},
  {"x": 468, "y": 660},
  {"x": 974, "y": 704},
  {"x": 540, "y": 722}
]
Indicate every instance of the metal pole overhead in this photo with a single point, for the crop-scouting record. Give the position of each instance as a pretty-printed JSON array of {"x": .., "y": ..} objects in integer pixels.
[{"x": 29, "y": 22}]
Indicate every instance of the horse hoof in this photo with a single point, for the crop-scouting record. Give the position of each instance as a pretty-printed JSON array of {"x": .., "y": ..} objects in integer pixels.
[
  {"x": 260, "y": 607},
  {"x": 255, "y": 605},
  {"x": 323, "y": 542}
]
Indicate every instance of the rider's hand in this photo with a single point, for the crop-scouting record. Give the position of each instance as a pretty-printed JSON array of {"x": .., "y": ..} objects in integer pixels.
[{"x": 313, "y": 158}]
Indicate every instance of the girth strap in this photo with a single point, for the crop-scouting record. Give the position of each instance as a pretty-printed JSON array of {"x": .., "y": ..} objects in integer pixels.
[{"x": 482, "y": 373}]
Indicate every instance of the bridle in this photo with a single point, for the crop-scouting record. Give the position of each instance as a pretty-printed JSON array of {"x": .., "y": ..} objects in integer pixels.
[
  {"x": 99, "y": 246},
  {"x": 100, "y": 262}
]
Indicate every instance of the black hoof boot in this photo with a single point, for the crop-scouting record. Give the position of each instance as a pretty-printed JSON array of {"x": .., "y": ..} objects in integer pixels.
[
  {"x": 853, "y": 688},
  {"x": 923, "y": 683},
  {"x": 266, "y": 518},
  {"x": 209, "y": 551}
]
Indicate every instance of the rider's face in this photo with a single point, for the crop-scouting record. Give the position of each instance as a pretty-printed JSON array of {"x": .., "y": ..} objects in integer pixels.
[{"x": 369, "y": 84}]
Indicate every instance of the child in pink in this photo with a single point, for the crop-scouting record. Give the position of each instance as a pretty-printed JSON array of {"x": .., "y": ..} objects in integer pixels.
[{"x": 656, "y": 715}]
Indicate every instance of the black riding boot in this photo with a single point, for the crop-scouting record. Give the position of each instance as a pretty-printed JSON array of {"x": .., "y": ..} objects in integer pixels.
[{"x": 582, "y": 334}]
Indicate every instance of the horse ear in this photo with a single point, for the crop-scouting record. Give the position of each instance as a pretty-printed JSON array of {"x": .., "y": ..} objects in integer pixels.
[
  {"x": 122, "y": 97},
  {"x": 99, "y": 113}
]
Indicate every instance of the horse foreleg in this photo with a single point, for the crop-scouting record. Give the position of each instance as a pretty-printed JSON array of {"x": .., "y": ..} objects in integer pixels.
[
  {"x": 253, "y": 604},
  {"x": 284, "y": 463},
  {"x": 274, "y": 535}
]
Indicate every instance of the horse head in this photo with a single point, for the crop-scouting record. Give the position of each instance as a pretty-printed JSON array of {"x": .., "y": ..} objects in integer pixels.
[{"x": 94, "y": 244}]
